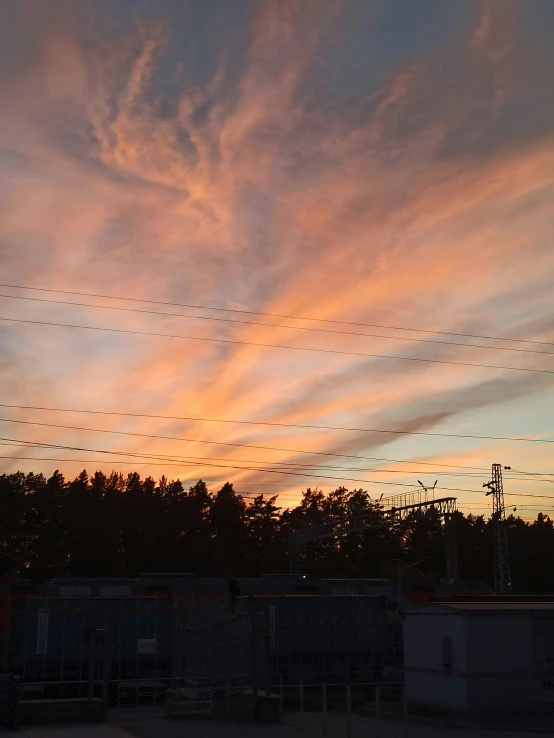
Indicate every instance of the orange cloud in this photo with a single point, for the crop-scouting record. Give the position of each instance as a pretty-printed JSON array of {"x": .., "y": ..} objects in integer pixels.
[{"x": 257, "y": 196}]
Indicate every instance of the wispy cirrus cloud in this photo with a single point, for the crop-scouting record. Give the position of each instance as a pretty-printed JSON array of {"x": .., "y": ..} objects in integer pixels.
[{"x": 248, "y": 180}]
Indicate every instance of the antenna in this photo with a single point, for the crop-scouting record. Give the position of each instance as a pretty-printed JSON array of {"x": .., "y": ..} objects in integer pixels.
[{"x": 449, "y": 536}]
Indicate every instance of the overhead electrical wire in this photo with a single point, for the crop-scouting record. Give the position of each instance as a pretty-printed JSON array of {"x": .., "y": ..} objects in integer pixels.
[
  {"x": 292, "y": 465},
  {"x": 278, "y": 425},
  {"x": 187, "y": 462},
  {"x": 272, "y": 315},
  {"x": 276, "y": 346},
  {"x": 287, "y": 464},
  {"x": 534, "y": 475},
  {"x": 274, "y": 325},
  {"x": 244, "y": 445},
  {"x": 249, "y": 495},
  {"x": 237, "y": 445},
  {"x": 226, "y": 466},
  {"x": 511, "y": 505},
  {"x": 174, "y": 461},
  {"x": 525, "y": 494}
]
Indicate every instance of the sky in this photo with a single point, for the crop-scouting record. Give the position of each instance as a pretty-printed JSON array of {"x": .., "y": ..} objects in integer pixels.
[{"x": 361, "y": 178}]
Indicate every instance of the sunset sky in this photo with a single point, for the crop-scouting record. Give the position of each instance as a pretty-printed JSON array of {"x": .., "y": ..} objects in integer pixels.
[{"x": 383, "y": 163}]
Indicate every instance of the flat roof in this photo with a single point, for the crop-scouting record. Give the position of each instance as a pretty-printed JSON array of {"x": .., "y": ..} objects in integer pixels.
[
  {"x": 479, "y": 606},
  {"x": 483, "y": 607}
]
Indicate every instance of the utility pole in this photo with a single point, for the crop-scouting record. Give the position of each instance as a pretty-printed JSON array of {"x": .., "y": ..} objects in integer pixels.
[
  {"x": 451, "y": 543},
  {"x": 502, "y": 576},
  {"x": 450, "y": 538}
]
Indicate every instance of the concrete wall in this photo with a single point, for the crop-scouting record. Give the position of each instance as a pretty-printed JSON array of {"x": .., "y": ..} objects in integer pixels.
[{"x": 426, "y": 678}]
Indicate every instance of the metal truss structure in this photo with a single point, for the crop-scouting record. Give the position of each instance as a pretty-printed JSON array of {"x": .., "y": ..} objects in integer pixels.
[
  {"x": 502, "y": 575},
  {"x": 391, "y": 511}
]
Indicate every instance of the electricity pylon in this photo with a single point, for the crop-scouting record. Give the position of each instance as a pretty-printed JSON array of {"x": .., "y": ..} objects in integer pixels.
[{"x": 502, "y": 576}]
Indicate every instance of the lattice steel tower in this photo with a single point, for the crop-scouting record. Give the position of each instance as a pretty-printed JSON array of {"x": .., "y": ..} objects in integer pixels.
[{"x": 502, "y": 576}]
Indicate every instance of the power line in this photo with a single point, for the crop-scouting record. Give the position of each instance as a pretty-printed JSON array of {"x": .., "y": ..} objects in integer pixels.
[
  {"x": 118, "y": 461},
  {"x": 277, "y": 346},
  {"x": 524, "y": 494},
  {"x": 236, "y": 445},
  {"x": 141, "y": 463},
  {"x": 239, "y": 445},
  {"x": 533, "y": 475},
  {"x": 519, "y": 507},
  {"x": 279, "y": 425},
  {"x": 221, "y": 466},
  {"x": 226, "y": 466},
  {"x": 292, "y": 465},
  {"x": 273, "y": 315},
  {"x": 510, "y": 505},
  {"x": 249, "y": 495},
  {"x": 321, "y": 467},
  {"x": 274, "y": 325},
  {"x": 174, "y": 462}
]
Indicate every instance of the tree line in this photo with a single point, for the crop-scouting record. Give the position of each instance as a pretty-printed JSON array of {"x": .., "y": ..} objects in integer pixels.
[{"x": 114, "y": 525}]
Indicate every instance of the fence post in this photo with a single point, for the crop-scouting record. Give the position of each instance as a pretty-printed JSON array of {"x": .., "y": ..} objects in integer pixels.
[
  {"x": 107, "y": 667},
  {"x": 302, "y": 703},
  {"x": 178, "y": 641},
  {"x": 91, "y": 666},
  {"x": 324, "y": 707},
  {"x": 281, "y": 701},
  {"x": 348, "y": 711},
  {"x": 253, "y": 636},
  {"x": 405, "y": 712},
  {"x": 377, "y": 711}
]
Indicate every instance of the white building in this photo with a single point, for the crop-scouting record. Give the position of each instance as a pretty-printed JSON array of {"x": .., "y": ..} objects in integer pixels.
[{"x": 480, "y": 656}]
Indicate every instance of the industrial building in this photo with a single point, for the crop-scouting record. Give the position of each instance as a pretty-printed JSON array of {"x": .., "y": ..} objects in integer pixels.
[
  {"x": 137, "y": 637},
  {"x": 480, "y": 656},
  {"x": 130, "y": 640}
]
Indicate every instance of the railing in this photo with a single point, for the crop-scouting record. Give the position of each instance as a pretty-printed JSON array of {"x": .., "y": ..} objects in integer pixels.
[{"x": 343, "y": 708}]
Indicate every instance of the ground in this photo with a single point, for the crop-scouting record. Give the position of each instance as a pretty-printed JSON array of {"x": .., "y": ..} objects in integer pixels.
[{"x": 336, "y": 728}]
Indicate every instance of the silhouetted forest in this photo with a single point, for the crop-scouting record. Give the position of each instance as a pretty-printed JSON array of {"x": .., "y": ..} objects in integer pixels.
[{"x": 123, "y": 526}]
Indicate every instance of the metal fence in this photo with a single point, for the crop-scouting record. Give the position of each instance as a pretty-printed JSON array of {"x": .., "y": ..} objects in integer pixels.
[
  {"x": 349, "y": 709},
  {"x": 210, "y": 653}
]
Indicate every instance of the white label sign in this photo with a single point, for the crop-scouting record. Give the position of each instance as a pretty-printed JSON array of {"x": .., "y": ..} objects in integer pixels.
[
  {"x": 147, "y": 646},
  {"x": 42, "y": 632}
]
